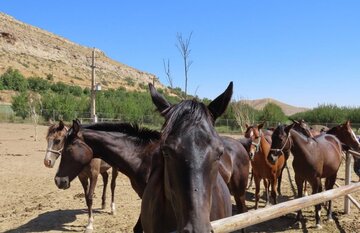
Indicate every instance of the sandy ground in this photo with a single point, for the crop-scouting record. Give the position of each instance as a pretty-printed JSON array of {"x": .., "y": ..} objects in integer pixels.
[{"x": 30, "y": 201}]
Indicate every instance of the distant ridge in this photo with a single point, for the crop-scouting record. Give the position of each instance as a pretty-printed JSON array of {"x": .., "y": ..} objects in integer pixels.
[
  {"x": 289, "y": 110},
  {"x": 36, "y": 52}
]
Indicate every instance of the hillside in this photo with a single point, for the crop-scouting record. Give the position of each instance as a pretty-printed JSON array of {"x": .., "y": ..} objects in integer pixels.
[
  {"x": 36, "y": 52},
  {"x": 289, "y": 110}
]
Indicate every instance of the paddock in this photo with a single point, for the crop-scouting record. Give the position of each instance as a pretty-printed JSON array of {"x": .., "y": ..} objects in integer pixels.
[{"x": 30, "y": 201}]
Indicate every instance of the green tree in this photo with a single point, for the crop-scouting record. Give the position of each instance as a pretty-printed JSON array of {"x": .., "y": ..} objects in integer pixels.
[
  {"x": 20, "y": 105},
  {"x": 13, "y": 80},
  {"x": 38, "y": 84},
  {"x": 272, "y": 113}
]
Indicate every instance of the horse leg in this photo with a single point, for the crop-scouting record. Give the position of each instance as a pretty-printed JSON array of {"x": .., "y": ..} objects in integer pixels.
[
  {"x": 105, "y": 177},
  {"x": 138, "y": 227},
  {"x": 299, "y": 183},
  {"x": 251, "y": 179},
  {"x": 266, "y": 185},
  {"x": 85, "y": 184},
  {"x": 257, "y": 190},
  {"x": 305, "y": 189},
  {"x": 114, "y": 174},
  {"x": 279, "y": 179},
  {"x": 93, "y": 180},
  {"x": 273, "y": 188},
  {"x": 316, "y": 187},
  {"x": 329, "y": 184}
]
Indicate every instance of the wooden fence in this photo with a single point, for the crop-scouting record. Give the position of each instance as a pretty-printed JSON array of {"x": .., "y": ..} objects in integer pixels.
[{"x": 241, "y": 221}]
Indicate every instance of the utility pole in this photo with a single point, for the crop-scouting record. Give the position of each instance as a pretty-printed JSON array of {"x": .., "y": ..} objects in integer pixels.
[{"x": 93, "y": 90}]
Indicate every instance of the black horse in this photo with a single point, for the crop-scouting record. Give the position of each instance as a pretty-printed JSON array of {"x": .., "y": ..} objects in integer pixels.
[{"x": 185, "y": 190}]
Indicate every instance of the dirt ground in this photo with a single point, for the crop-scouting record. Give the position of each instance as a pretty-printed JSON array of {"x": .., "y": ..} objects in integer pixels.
[{"x": 30, "y": 201}]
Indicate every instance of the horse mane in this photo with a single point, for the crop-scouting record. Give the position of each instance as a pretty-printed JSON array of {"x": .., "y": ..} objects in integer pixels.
[
  {"x": 190, "y": 112},
  {"x": 132, "y": 130}
]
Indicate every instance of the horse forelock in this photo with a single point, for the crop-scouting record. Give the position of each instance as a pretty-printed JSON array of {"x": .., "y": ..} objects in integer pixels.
[
  {"x": 52, "y": 130},
  {"x": 184, "y": 116}
]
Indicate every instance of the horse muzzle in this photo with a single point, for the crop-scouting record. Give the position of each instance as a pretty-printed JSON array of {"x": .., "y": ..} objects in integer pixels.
[
  {"x": 49, "y": 163},
  {"x": 62, "y": 182},
  {"x": 272, "y": 158}
]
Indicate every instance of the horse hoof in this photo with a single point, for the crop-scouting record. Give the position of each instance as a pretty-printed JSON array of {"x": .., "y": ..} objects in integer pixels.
[
  {"x": 330, "y": 220},
  {"x": 103, "y": 206},
  {"x": 113, "y": 212},
  {"x": 88, "y": 230},
  {"x": 318, "y": 226}
]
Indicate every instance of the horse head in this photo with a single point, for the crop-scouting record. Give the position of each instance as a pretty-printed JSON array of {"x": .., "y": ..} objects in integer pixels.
[
  {"x": 191, "y": 150},
  {"x": 75, "y": 155},
  {"x": 346, "y": 136},
  {"x": 254, "y": 133},
  {"x": 55, "y": 143},
  {"x": 281, "y": 142}
]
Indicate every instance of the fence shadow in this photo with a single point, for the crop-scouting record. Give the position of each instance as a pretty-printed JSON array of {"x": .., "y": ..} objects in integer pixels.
[{"x": 52, "y": 220}]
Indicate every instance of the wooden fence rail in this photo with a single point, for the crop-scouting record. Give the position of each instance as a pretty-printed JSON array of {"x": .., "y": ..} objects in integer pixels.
[{"x": 240, "y": 221}]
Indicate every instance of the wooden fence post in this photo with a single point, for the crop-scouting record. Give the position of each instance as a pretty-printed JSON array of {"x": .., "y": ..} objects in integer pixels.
[{"x": 347, "y": 201}]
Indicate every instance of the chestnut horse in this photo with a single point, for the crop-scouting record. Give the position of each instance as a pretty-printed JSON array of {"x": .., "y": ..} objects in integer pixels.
[
  {"x": 185, "y": 190},
  {"x": 55, "y": 143},
  {"x": 261, "y": 167},
  {"x": 313, "y": 159}
]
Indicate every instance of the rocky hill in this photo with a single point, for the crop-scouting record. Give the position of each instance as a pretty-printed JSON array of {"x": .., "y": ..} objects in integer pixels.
[
  {"x": 36, "y": 52},
  {"x": 289, "y": 110}
]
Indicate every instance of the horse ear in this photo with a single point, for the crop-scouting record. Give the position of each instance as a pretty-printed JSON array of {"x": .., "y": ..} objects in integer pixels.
[
  {"x": 220, "y": 103},
  {"x": 246, "y": 125},
  {"x": 261, "y": 125},
  {"x": 51, "y": 122},
  {"x": 160, "y": 102},
  {"x": 61, "y": 125},
  {"x": 347, "y": 123},
  {"x": 295, "y": 121},
  {"x": 75, "y": 127}
]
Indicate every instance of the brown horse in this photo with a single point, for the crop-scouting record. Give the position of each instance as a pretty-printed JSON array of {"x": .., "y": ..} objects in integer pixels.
[
  {"x": 261, "y": 167},
  {"x": 346, "y": 136},
  {"x": 185, "y": 190},
  {"x": 234, "y": 169},
  {"x": 313, "y": 159},
  {"x": 55, "y": 138},
  {"x": 127, "y": 147}
]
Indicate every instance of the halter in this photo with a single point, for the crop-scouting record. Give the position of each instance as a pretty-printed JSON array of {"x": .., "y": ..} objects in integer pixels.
[
  {"x": 257, "y": 145},
  {"x": 58, "y": 152},
  {"x": 282, "y": 148}
]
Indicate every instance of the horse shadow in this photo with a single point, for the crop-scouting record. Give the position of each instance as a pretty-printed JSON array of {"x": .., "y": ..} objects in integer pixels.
[{"x": 52, "y": 220}]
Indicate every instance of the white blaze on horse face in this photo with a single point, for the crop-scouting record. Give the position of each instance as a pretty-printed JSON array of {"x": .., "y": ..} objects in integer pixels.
[
  {"x": 251, "y": 134},
  {"x": 50, "y": 157}
]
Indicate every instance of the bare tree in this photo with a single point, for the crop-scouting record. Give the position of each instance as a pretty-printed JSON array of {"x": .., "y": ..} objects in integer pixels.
[
  {"x": 35, "y": 105},
  {"x": 244, "y": 113},
  {"x": 183, "y": 46},
  {"x": 168, "y": 73}
]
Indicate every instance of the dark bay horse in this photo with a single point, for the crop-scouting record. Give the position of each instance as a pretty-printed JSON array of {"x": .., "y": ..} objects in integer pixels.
[
  {"x": 185, "y": 190},
  {"x": 261, "y": 167},
  {"x": 313, "y": 159},
  {"x": 125, "y": 146},
  {"x": 55, "y": 139}
]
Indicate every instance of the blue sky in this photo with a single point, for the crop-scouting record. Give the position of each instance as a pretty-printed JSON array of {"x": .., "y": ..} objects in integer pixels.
[{"x": 303, "y": 53}]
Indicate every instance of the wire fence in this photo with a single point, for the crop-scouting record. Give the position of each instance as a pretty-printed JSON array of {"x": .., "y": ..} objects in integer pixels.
[{"x": 151, "y": 121}]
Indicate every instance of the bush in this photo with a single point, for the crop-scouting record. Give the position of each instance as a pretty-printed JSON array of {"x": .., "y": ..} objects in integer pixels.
[{"x": 13, "y": 80}]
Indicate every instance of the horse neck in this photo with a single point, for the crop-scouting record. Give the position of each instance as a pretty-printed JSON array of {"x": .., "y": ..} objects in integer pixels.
[
  {"x": 117, "y": 149},
  {"x": 296, "y": 140}
]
